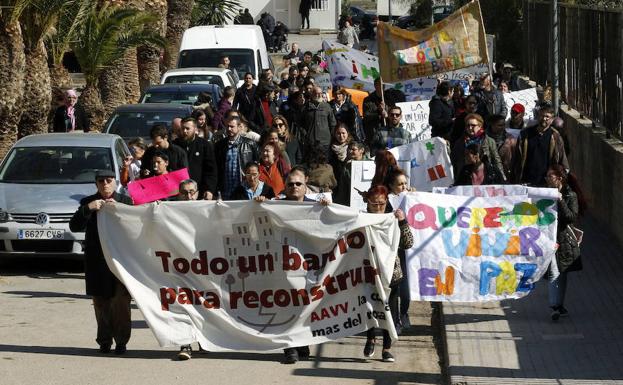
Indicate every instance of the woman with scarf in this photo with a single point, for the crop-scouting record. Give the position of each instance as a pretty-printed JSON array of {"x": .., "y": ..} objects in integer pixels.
[
  {"x": 291, "y": 143},
  {"x": 273, "y": 168},
  {"x": 71, "y": 116},
  {"x": 475, "y": 134},
  {"x": 339, "y": 148}
]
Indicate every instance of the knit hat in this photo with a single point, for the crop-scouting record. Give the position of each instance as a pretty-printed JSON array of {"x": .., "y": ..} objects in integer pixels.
[{"x": 518, "y": 108}]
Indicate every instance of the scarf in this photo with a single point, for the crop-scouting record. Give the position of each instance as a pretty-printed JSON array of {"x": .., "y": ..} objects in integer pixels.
[
  {"x": 476, "y": 139},
  {"x": 340, "y": 150}
]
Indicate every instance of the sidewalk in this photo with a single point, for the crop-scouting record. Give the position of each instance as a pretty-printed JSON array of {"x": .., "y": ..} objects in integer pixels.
[{"x": 515, "y": 341}]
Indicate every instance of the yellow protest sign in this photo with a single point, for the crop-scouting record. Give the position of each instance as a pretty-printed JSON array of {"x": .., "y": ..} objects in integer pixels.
[{"x": 457, "y": 41}]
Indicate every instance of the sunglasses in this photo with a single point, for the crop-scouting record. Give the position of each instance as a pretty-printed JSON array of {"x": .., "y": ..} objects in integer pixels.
[
  {"x": 278, "y": 125},
  {"x": 394, "y": 114},
  {"x": 297, "y": 184}
]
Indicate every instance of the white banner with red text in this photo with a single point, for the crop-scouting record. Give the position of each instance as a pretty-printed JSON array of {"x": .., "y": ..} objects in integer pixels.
[{"x": 252, "y": 276}]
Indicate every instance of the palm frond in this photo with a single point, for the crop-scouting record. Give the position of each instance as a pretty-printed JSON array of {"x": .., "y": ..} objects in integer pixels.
[{"x": 214, "y": 12}]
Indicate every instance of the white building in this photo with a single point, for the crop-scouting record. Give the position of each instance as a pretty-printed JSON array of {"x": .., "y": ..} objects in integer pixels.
[{"x": 324, "y": 14}]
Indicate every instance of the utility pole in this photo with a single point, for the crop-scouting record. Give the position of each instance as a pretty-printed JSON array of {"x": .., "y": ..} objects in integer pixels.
[
  {"x": 389, "y": 4},
  {"x": 555, "y": 54}
]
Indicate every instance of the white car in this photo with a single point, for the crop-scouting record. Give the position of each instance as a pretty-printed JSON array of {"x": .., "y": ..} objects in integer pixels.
[
  {"x": 42, "y": 180},
  {"x": 213, "y": 75}
]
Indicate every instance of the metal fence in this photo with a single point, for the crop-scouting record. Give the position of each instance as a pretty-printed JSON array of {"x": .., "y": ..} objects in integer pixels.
[{"x": 590, "y": 62}]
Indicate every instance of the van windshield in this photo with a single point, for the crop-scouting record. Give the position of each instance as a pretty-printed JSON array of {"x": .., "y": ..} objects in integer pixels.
[{"x": 241, "y": 59}]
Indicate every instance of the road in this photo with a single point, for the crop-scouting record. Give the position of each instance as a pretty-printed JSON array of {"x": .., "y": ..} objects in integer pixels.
[{"x": 47, "y": 336}]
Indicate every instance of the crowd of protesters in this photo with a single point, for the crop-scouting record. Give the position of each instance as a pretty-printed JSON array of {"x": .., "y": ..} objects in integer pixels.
[{"x": 286, "y": 137}]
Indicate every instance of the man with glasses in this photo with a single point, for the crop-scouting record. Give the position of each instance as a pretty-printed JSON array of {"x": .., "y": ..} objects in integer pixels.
[
  {"x": 538, "y": 148},
  {"x": 392, "y": 135},
  {"x": 200, "y": 156},
  {"x": 111, "y": 300}
]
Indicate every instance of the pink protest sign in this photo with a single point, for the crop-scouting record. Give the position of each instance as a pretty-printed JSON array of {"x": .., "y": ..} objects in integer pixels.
[{"x": 157, "y": 187}]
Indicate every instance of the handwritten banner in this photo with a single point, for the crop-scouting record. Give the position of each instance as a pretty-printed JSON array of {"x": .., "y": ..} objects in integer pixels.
[
  {"x": 244, "y": 275},
  {"x": 426, "y": 163},
  {"x": 473, "y": 249},
  {"x": 415, "y": 119},
  {"x": 457, "y": 41},
  {"x": 417, "y": 89},
  {"x": 350, "y": 67},
  {"x": 157, "y": 187}
]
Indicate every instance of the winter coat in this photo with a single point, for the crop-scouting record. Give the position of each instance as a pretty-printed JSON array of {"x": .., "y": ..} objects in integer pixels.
[
  {"x": 250, "y": 106},
  {"x": 201, "y": 162},
  {"x": 218, "y": 121},
  {"x": 322, "y": 177},
  {"x": 304, "y": 7},
  {"x": 177, "y": 158},
  {"x": 568, "y": 252},
  {"x": 62, "y": 123},
  {"x": 319, "y": 123},
  {"x": 556, "y": 151},
  {"x": 99, "y": 280},
  {"x": 491, "y": 103},
  {"x": 247, "y": 152},
  {"x": 441, "y": 116},
  {"x": 488, "y": 150}
]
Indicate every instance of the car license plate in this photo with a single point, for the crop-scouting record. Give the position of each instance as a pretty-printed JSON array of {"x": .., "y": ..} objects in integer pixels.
[{"x": 41, "y": 234}]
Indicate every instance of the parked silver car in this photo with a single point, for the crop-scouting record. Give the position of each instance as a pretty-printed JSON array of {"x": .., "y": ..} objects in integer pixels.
[{"x": 42, "y": 180}]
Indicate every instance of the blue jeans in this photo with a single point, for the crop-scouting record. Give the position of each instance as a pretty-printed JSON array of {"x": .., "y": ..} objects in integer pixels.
[{"x": 557, "y": 290}]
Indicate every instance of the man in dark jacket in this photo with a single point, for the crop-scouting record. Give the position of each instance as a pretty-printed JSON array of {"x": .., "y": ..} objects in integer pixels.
[
  {"x": 160, "y": 142},
  {"x": 374, "y": 110},
  {"x": 248, "y": 103},
  {"x": 232, "y": 153},
  {"x": 200, "y": 154},
  {"x": 441, "y": 117},
  {"x": 111, "y": 300},
  {"x": 246, "y": 17},
  {"x": 491, "y": 100},
  {"x": 319, "y": 121}
]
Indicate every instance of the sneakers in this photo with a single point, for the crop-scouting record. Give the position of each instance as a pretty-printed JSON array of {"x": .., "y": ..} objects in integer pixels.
[
  {"x": 404, "y": 320},
  {"x": 120, "y": 349},
  {"x": 387, "y": 356},
  {"x": 185, "y": 353},
  {"x": 291, "y": 356},
  {"x": 368, "y": 350},
  {"x": 555, "y": 314},
  {"x": 105, "y": 348}
]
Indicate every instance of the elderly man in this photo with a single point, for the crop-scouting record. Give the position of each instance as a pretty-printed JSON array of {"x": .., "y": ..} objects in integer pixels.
[
  {"x": 111, "y": 300},
  {"x": 70, "y": 116},
  {"x": 319, "y": 121}
]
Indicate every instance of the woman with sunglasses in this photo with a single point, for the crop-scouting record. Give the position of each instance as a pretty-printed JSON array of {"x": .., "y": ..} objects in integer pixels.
[
  {"x": 291, "y": 143},
  {"x": 376, "y": 200}
]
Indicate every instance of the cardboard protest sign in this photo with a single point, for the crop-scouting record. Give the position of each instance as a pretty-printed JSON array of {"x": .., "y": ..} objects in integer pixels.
[
  {"x": 473, "y": 249},
  {"x": 157, "y": 187},
  {"x": 417, "y": 89},
  {"x": 323, "y": 81},
  {"x": 245, "y": 275},
  {"x": 350, "y": 67},
  {"x": 415, "y": 119},
  {"x": 457, "y": 41}
]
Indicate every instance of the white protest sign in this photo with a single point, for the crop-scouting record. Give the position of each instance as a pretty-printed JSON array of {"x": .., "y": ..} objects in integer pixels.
[
  {"x": 244, "y": 275},
  {"x": 417, "y": 89},
  {"x": 428, "y": 162},
  {"x": 350, "y": 67},
  {"x": 415, "y": 119},
  {"x": 362, "y": 172},
  {"x": 473, "y": 249},
  {"x": 528, "y": 98}
]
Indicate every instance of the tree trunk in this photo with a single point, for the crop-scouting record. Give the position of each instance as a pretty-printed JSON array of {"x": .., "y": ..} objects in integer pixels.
[
  {"x": 111, "y": 86},
  {"x": 12, "y": 69},
  {"x": 91, "y": 100},
  {"x": 149, "y": 56},
  {"x": 178, "y": 21},
  {"x": 130, "y": 77},
  {"x": 37, "y": 93}
]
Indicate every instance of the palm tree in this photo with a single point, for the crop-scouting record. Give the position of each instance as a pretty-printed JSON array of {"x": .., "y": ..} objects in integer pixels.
[
  {"x": 148, "y": 54},
  {"x": 214, "y": 12},
  {"x": 105, "y": 36},
  {"x": 177, "y": 22},
  {"x": 12, "y": 69},
  {"x": 37, "y": 20}
]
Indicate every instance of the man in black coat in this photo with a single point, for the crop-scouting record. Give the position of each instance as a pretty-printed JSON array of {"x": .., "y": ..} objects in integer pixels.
[
  {"x": 441, "y": 117},
  {"x": 200, "y": 155},
  {"x": 248, "y": 103},
  {"x": 319, "y": 121},
  {"x": 375, "y": 111},
  {"x": 111, "y": 300},
  {"x": 160, "y": 143}
]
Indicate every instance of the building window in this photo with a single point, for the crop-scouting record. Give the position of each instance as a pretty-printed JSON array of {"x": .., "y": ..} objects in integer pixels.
[{"x": 320, "y": 5}]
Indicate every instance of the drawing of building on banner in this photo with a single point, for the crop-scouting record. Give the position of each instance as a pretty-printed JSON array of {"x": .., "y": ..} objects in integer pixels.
[{"x": 259, "y": 238}]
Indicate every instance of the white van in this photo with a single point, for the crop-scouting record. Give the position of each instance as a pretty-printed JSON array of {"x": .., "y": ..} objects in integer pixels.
[
  {"x": 204, "y": 46},
  {"x": 222, "y": 77}
]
